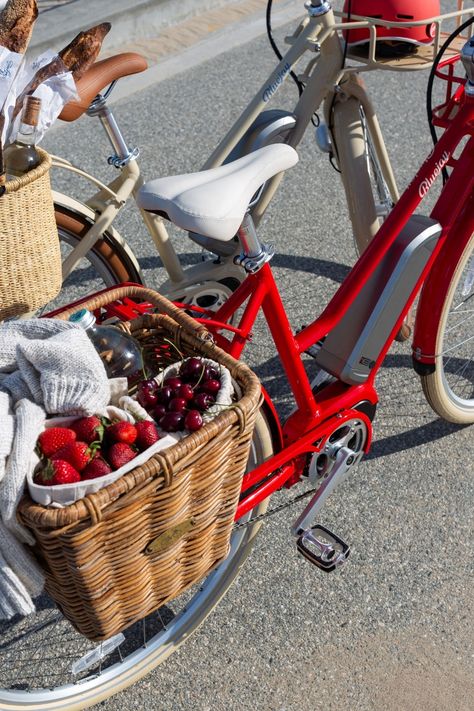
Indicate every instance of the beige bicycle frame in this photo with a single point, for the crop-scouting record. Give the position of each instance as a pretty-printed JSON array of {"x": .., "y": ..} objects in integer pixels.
[{"x": 340, "y": 92}]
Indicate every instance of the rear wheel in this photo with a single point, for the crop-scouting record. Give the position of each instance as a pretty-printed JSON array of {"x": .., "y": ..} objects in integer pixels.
[
  {"x": 450, "y": 388},
  {"x": 37, "y": 653},
  {"x": 108, "y": 263}
]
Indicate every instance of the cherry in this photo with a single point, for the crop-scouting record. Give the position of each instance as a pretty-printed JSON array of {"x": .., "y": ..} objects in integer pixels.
[
  {"x": 211, "y": 386},
  {"x": 211, "y": 373},
  {"x": 149, "y": 384},
  {"x": 193, "y": 420},
  {"x": 185, "y": 391},
  {"x": 172, "y": 421},
  {"x": 173, "y": 383},
  {"x": 177, "y": 404},
  {"x": 147, "y": 398},
  {"x": 164, "y": 395},
  {"x": 158, "y": 411},
  {"x": 202, "y": 401}
]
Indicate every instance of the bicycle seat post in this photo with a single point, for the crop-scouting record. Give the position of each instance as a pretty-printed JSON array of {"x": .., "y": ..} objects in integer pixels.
[
  {"x": 254, "y": 253},
  {"x": 123, "y": 154}
]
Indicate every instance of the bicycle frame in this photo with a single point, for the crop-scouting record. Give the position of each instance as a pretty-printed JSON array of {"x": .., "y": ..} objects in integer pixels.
[
  {"x": 304, "y": 430},
  {"x": 317, "y": 35}
]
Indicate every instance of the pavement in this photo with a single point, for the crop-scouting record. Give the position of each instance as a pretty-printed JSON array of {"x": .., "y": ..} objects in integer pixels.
[{"x": 393, "y": 629}]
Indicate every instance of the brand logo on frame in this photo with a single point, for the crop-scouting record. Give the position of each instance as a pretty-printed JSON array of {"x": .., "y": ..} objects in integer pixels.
[
  {"x": 6, "y": 69},
  {"x": 274, "y": 86},
  {"x": 426, "y": 184}
]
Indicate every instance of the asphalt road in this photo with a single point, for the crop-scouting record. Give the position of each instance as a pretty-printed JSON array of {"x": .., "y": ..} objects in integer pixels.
[{"x": 393, "y": 629}]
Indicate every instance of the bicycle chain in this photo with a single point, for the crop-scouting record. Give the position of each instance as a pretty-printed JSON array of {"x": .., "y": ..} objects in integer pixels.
[{"x": 276, "y": 510}]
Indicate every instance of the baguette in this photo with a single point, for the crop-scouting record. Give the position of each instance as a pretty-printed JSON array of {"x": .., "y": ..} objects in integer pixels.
[
  {"x": 84, "y": 49},
  {"x": 77, "y": 57},
  {"x": 16, "y": 24}
]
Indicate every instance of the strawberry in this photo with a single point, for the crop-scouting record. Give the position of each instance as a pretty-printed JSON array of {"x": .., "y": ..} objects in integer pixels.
[
  {"x": 119, "y": 454},
  {"x": 78, "y": 454},
  {"x": 88, "y": 429},
  {"x": 147, "y": 434},
  {"x": 54, "y": 438},
  {"x": 97, "y": 467},
  {"x": 57, "y": 472},
  {"x": 121, "y": 432}
]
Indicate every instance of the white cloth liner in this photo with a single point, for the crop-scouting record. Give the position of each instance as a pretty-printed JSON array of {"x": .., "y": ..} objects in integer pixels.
[
  {"x": 9, "y": 66},
  {"x": 54, "y": 94},
  {"x": 127, "y": 409}
]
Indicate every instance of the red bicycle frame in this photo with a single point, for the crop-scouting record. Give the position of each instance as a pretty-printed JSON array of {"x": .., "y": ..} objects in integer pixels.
[{"x": 315, "y": 415}]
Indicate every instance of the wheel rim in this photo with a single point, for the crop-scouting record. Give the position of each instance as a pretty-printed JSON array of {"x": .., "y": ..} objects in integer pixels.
[
  {"x": 23, "y": 642},
  {"x": 457, "y": 340}
]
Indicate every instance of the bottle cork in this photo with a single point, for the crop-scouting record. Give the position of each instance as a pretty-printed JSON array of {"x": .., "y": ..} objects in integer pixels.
[{"x": 31, "y": 110}]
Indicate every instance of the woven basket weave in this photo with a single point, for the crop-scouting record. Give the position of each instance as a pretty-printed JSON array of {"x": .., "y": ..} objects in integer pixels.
[
  {"x": 30, "y": 258},
  {"x": 119, "y": 554}
]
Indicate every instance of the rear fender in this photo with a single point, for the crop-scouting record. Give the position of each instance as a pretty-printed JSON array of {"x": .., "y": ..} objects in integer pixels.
[{"x": 436, "y": 287}]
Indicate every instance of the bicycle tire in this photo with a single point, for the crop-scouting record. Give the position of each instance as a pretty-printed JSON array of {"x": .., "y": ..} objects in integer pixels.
[
  {"x": 367, "y": 193},
  {"x": 142, "y": 660},
  {"x": 449, "y": 389},
  {"x": 108, "y": 262}
]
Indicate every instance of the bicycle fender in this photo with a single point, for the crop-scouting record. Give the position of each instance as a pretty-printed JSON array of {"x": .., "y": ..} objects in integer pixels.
[{"x": 435, "y": 289}]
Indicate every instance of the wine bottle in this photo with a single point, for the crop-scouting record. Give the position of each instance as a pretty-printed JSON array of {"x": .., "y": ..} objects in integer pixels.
[
  {"x": 21, "y": 156},
  {"x": 120, "y": 352}
]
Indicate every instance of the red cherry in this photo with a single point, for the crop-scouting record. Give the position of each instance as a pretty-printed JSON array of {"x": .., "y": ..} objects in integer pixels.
[
  {"x": 177, "y": 404},
  {"x": 149, "y": 384},
  {"x": 172, "y": 422},
  {"x": 147, "y": 399},
  {"x": 164, "y": 395},
  {"x": 211, "y": 373},
  {"x": 173, "y": 383},
  {"x": 211, "y": 386},
  {"x": 203, "y": 401},
  {"x": 185, "y": 391},
  {"x": 193, "y": 420},
  {"x": 158, "y": 411}
]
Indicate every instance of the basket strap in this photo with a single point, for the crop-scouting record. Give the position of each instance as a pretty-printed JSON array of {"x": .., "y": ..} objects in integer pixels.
[
  {"x": 94, "y": 510},
  {"x": 241, "y": 416},
  {"x": 167, "y": 467}
]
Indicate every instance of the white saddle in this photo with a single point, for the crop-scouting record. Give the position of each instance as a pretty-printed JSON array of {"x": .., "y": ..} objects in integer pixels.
[{"x": 213, "y": 202}]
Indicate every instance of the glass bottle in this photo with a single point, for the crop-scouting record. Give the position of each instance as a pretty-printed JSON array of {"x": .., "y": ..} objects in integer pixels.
[
  {"x": 120, "y": 352},
  {"x": 21, "y": 156}
]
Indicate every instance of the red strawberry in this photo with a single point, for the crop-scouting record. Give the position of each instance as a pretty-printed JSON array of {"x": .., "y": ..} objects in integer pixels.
[
  {"x": 78, "y": 454},
  {"x": 122, "y": 432},
  {"x": 119, "y": 454},
  {"x": 147, "y": 434},
  {"x": 88, "y": 429},
  {"x": 54, "y": 438},
  {"x": 57, "y": 472},
  {"x": 97, "y": 467}
]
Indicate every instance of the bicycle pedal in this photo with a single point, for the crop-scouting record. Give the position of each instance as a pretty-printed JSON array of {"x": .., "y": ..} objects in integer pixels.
[{"x": 323, "y": 548}]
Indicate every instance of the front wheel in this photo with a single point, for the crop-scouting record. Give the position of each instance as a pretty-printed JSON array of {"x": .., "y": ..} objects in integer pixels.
[
  {"x": 38, "y": 653},
  {"x": 450, "y": 387}
]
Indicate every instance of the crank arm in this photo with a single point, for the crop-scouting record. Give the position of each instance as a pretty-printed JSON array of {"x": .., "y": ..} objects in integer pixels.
[{"x": 345, "y": 460}]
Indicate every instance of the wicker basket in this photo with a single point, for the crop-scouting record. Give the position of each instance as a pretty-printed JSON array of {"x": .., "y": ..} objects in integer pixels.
[
  {"x": 30, "y": 257},
  {"x": 119, "y": 554}
]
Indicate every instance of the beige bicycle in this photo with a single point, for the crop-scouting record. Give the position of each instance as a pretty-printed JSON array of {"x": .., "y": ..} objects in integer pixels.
[{"x": 330, "y": 80}]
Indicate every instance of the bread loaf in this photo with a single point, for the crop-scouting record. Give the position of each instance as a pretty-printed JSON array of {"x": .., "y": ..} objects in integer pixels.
[
  {"x": 84, "y": 49},
  {"x": 77, "y": 57},
  {"x": 16, "y": 24}
]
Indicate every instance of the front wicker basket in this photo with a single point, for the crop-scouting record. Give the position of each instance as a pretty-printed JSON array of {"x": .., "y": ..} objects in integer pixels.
[
  {"x": 30, "y": 256},
  {"x": 117, "y": 555}
]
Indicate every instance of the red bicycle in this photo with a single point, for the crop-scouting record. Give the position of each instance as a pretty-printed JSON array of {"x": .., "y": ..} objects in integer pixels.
[{"x": 327, "y": 434}]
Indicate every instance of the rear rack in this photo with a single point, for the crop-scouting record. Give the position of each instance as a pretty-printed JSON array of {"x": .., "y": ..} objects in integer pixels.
[{"x": 422, "y": 58}]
